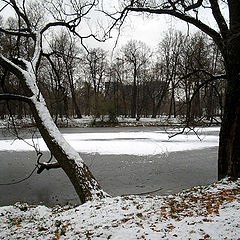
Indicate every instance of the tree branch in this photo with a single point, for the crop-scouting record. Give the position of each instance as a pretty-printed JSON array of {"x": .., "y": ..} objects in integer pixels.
[
  {"x": 12, "y": 67},
  {"x": 55, "y": 24},
  {"x": 205, "y": 28},
  {"x": 19, "y": 181},
  {"x": 219, "y": 18},
  {"x": 212, "y": 78},
  {"x": 20, "y": 13},
  {"x": 193, "y": 6},
  {"x": 8, "y": 96},
  {"x": 4, "y": 6},
  {"x": 47, "y": 166},
  {"x": 143, "y": 193},
  {"x": 188, "y": 118},
  {"x": 37, "y": 51}
]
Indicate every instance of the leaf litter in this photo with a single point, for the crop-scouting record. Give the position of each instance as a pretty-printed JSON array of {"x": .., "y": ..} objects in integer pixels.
[{"x": 204, "y": 212}]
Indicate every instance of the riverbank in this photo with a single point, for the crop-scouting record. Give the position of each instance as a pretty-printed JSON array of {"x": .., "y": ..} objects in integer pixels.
[
  {"x": 89, "y": 121},
  {"x": 209, "y": 212}
]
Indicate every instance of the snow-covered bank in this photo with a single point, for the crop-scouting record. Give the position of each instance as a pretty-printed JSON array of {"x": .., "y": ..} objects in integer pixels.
[
  {"x": 140, "y": 143},
  {"x": 211, "y": 212},
  {"x": 89, "y": 121}
]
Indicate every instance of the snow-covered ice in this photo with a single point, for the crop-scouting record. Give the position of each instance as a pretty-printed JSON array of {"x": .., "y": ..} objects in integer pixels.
[{"x": 132, "y": 143}]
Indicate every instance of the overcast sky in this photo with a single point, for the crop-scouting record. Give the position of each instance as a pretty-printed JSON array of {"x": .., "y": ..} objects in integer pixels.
[
  {"x": 147, "y": 29},
  {"x": 151, "y": 30}
]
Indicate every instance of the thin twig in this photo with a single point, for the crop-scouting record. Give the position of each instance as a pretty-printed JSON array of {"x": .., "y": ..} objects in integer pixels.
[
  {"x": 142, "y": 193},
  {"x": 24, "y": 179}
]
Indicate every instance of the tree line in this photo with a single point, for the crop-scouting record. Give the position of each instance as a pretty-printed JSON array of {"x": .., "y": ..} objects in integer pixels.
[{"x": 136, "y": 81}]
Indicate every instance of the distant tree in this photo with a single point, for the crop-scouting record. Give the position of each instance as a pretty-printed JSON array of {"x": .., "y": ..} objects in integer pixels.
[
  {"x": 155, "y": 87},
  {"x": 113, "y": 85},
  {"x": 86, "y": 93},
  {"x": 214, "y": 91},
  {"x": 25, "y": 66},
  {"x": 96, "y": 66},
  {"x": 193, "y": 58},
  {"x": 118, "y": 78},
  {"x": 11, "y": 46},
  {"x": 65, "y": 48},
  {"x": 54, "y": 86},
  {"x": 169, "y": 51},
  {"x": 136, "y": 55}
]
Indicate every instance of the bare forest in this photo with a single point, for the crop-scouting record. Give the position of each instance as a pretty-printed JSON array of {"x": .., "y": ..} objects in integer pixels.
[{"x": 136, "y": 82}]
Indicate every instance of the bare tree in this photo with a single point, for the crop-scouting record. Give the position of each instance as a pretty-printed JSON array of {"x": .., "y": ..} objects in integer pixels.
[
  {"x": 96, "y": 66},
  {"x": 227, "y": 37},
  {"x": 65, "y": 47},
  {"x": 171, "y": 48},
  {"x": 66, "y": 14},
  {"x": 214, "y": 91},
  {"x": 120, "y": 85},
  {"x": 136, "y": 54}
]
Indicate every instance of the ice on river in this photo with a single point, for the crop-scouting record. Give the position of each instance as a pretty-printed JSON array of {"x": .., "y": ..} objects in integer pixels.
[{"x": 124, "y": 142}]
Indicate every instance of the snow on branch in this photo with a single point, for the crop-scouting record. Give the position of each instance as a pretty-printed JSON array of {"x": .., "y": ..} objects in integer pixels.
[
  {"x": 14, "y": 68},
  {"x": 37, "y": 52},
  {"x": 47, "y": 166}
]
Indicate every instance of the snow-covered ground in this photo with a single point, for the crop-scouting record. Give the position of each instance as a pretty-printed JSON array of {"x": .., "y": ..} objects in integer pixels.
[
  {"x": 211, "y": 212},
  {"x": 125, "y": 142}
]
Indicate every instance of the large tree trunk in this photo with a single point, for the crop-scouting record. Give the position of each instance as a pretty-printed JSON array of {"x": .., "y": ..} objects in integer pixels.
[
  {"x": 77, "y": 171},
  {"x": 229, "y": 146},
  {"x": 134, "y": 96}
]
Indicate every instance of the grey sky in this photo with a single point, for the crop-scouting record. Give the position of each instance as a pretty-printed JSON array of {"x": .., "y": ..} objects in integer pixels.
[
  {"x": 151, "y": 29},
  {"x": 147, "y": 29}
]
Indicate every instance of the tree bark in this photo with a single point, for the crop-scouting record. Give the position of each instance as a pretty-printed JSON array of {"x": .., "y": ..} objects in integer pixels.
[
  {"x": 229, "y": 146},
  {"x": 134, "y": 95}
]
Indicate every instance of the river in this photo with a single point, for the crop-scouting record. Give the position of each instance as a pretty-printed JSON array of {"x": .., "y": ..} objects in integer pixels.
[{"x": 118, "y": 174}]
